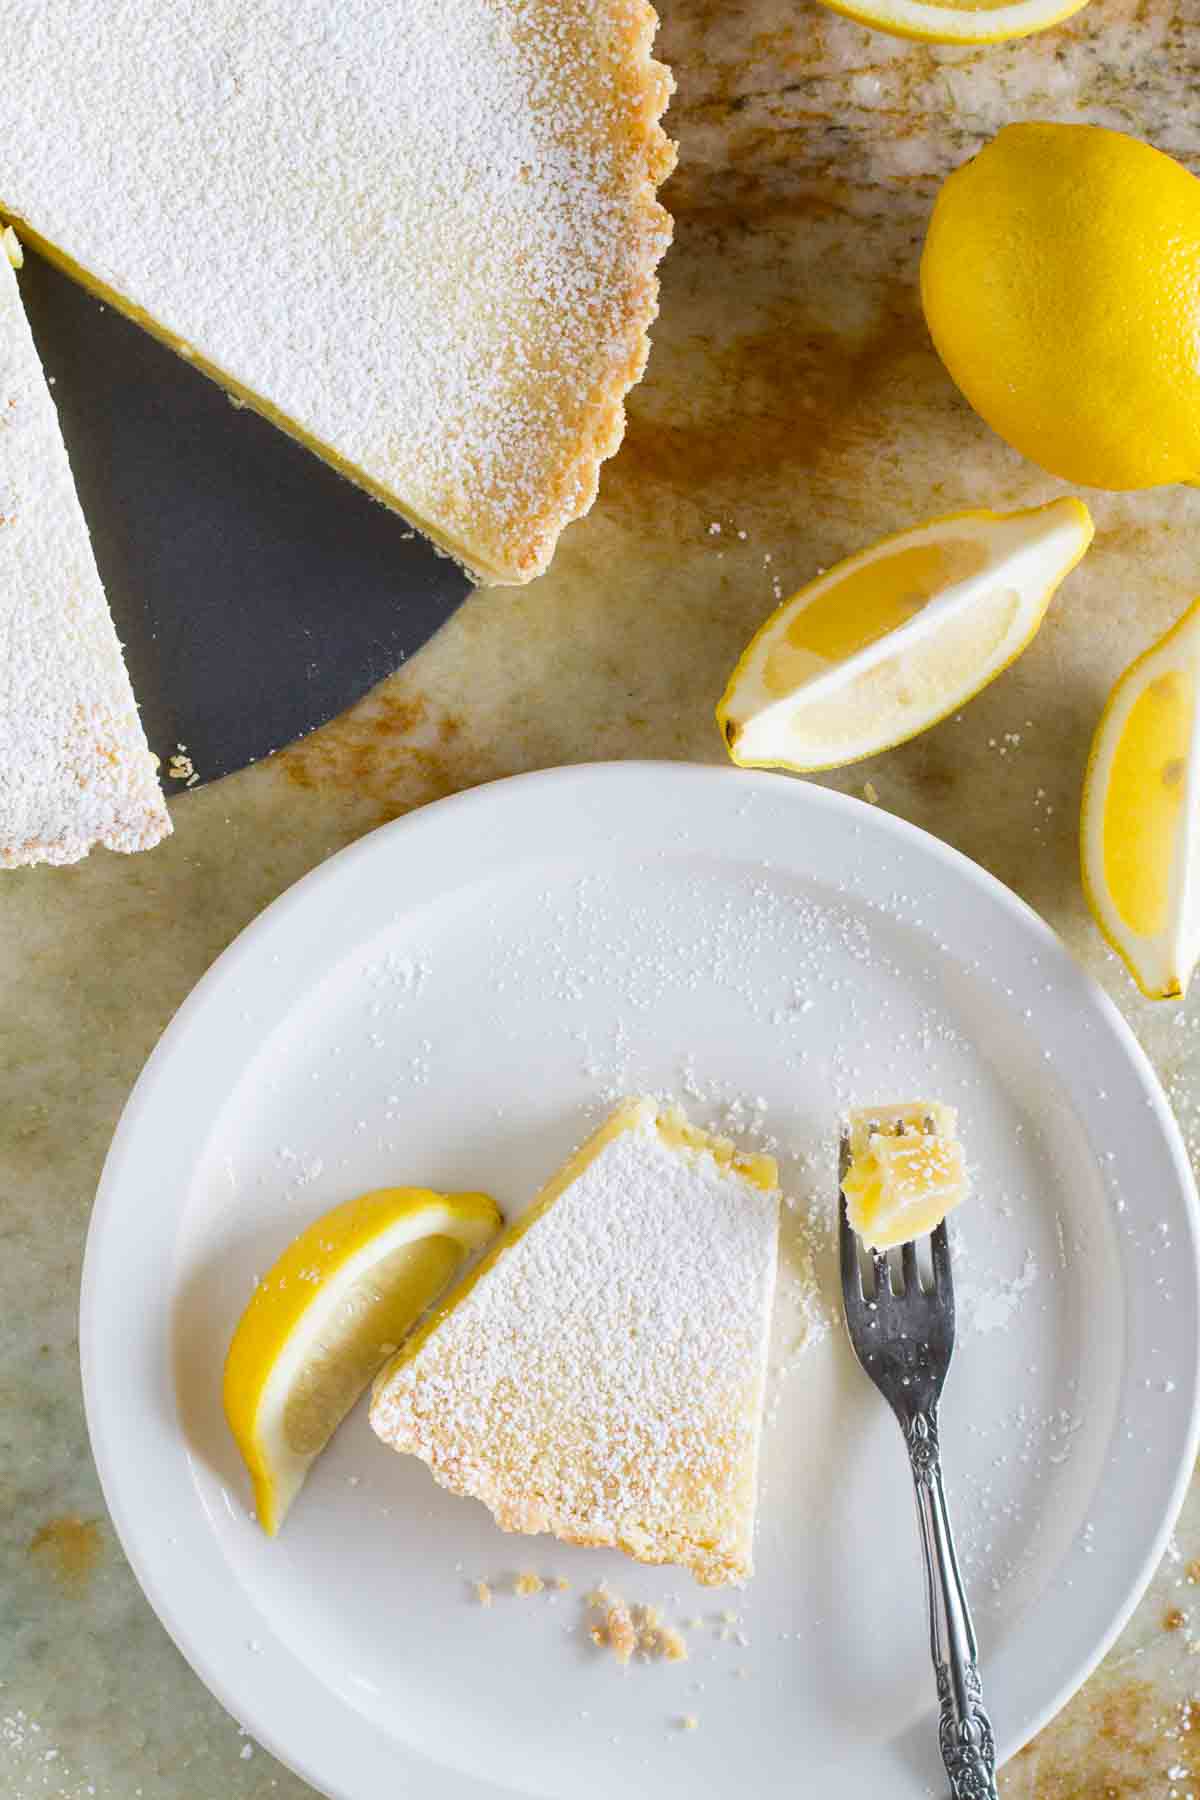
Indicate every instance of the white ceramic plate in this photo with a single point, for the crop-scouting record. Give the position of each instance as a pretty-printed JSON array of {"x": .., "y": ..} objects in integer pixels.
[{"x": 454, "y": 1001}]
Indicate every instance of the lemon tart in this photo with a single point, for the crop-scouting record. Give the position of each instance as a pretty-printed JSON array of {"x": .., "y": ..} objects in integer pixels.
[
  {"x": 422, "y": 239},
  {"x": 75, "y": 770},
  {"x": 600, "y": 1374},
  {"x": 907, "y": 1171}
]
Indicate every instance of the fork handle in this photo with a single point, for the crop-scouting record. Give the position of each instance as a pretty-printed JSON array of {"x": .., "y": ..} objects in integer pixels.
[{"x": 964, "y": 1729}]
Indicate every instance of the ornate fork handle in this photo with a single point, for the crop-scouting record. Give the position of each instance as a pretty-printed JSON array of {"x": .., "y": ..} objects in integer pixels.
[{"x": 964, "y": 1729}]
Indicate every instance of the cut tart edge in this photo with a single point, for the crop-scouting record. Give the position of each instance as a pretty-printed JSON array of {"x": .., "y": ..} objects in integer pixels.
[
  {"x": 76, "y": 776},
  {"x": 527, "y": 549},
  {"x": 712, "y": 1563}
]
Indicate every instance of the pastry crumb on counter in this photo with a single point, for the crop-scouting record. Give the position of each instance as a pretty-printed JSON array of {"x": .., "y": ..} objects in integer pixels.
[
  {"x": 180, "y": 766},
  {"x": 527, "y": 1583},
  {"x": 688, "y": 1722},
  {"x": 483, "y": 1593}
]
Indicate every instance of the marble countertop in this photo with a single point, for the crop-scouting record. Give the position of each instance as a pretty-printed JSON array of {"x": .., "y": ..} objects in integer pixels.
[{"x": 794, "y": 400}]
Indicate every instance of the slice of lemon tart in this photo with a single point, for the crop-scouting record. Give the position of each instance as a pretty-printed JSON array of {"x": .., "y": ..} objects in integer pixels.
[
  {"x": 600, "y": 1374},
  {"x": 75, "y": 770},
  {"x": 422, "y": 239}
]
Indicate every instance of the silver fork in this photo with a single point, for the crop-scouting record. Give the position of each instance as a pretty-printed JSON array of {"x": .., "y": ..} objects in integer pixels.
[{"x": 904, "y": 1341}]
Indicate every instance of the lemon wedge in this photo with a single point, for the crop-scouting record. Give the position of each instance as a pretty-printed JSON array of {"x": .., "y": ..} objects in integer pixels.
[
  {"x": 891, "y": 640},
  {"x": 327, "y": 1315},
  {"x": 1140, "y": 824},
  {"x": 932, "y": 23}
]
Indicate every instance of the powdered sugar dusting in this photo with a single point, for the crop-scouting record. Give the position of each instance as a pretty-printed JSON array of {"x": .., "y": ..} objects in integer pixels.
[
  {"x": 423, "y": 238},
  {"x": 74, "y": 767},
  {"x": 665, "y": 949},
  {"x": 604, "y": 1378},
  {"x": 992, "y": 1307}
]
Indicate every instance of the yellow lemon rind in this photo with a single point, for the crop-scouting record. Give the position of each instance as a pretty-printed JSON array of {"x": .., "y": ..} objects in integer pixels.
[
  {"x": 863, "y": 559},
  {"x": 1173, "y": 985},
  {"x": 1058, "y": 281},
  {"x": 300, "y": 1280},
  {"x": 928, "y": 24}
]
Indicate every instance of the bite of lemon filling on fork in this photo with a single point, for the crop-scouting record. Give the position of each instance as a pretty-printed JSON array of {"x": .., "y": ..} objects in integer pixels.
[
  {"x": 600, "y": 1374},
  {"x": 907, "y": 1171}
]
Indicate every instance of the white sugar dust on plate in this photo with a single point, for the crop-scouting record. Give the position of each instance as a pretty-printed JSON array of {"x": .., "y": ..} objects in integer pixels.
[{"x": 769, "y": 954}]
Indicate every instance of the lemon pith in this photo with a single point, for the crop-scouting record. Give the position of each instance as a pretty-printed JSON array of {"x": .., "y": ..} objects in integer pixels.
[
  {"x": 896, "y": 637},
  {"x": 1141, "y": 806},
  {"x": 1061, "y": 284},
  {"x": 972, "y": 22},
  {"x": 866, "y": 605},
  {"x": 325, "y": 1317}
]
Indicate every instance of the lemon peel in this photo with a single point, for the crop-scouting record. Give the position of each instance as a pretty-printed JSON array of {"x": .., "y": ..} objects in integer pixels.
[
  {"x": 1140, "y": 818},
  {"x": 327, "y": 1315},
  {"x": 895, "y": 638},
  {"x": 1061, "y": 285}
]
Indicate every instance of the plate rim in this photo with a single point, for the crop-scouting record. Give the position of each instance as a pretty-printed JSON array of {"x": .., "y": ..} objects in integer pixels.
[{"x": 456, "y": 1784}]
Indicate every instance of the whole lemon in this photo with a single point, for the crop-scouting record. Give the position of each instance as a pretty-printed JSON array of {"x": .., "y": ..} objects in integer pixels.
[{"x": 1061, "y": 285}]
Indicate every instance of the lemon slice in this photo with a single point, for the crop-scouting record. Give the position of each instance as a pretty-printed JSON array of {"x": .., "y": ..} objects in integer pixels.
[
  {"x": 979, "y": 24},
  {"x": 326, "y": 1316},
  {"x": 1140, "y": 825},
  {"x": 893, "y": 639}
]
